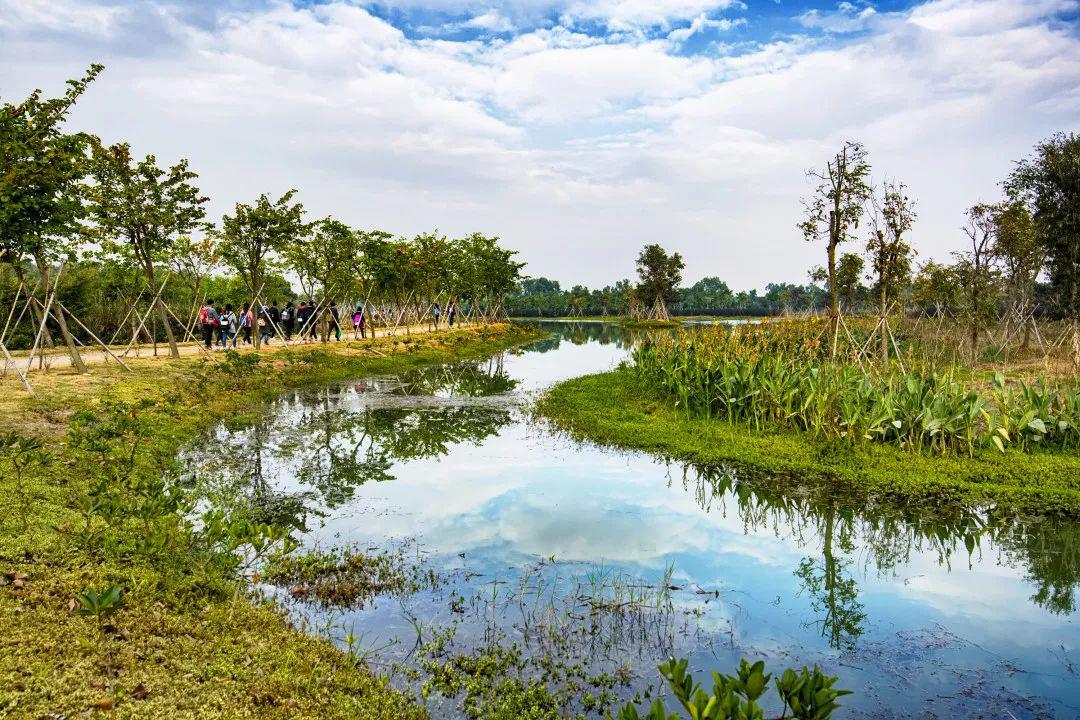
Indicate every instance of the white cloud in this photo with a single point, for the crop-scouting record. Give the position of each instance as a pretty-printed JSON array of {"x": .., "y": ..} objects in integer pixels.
[
  {"x": 846, "y": 18},
  {"x": 576, "y": 148},
  {"x": 701, "y": 23}
]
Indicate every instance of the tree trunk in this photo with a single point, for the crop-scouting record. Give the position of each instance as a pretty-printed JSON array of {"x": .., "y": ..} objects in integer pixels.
[
  {"x": 73, "y": 351},
  {"x": 884, "y": 349},
  {"x": 834, "y": 299}
]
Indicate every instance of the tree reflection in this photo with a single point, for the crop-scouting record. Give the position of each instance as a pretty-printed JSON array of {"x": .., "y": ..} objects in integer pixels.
[{"x": 843, "y": 529}]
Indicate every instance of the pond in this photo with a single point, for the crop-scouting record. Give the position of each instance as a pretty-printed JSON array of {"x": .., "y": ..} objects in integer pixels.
[{"x": 513, "y": 533}]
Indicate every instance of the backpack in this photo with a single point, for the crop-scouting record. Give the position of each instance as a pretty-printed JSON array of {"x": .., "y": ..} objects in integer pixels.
[
  {"x": 286, "y": 314},
  {"x": 204, "y": 315}
]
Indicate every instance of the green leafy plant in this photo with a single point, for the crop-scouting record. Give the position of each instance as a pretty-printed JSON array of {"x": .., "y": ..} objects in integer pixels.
[
  {"x": 100, "y": 605},
  {"x": 809, "y": 694},
  {"x": 21, "y": 453}
]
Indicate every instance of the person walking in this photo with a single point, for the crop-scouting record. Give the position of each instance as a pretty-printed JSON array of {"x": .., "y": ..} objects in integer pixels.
[
  {"x": 245, "y": 324},
  {"x": 302, "y": 315},
  {"x": 313, "y": 321},
  {"x": 288, "y": 320},
  {"x": 209, "y": 318},
  {"x": 228, "y": 328},
  {"x": 263, "y": 324},
  {"x": 333, "y": 316},
  {"x": 274, "y": 315},
  {"x": 451, "y": 312},
  {"x": 436, "y": 313},
  {"x": 359, "y": 322}
]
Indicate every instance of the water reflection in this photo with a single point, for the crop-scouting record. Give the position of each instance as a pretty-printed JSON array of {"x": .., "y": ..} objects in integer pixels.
[{"x": 972, "y": 612}]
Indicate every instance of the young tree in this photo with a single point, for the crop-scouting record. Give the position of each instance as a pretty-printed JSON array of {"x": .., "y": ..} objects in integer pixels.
[
  {"x": 1050, "y": 182},
  {"x": 975, "y": 270},
  {"x": 659, "y": 274},
  {"x": 1017, "y": 247},
  {"x": 254, "y": 235},
  {"x": 41, "y": 170},
  {"x": 833, "y": 211},
  {"x": 935, "y": 286},
  {"x": 849, "y": 270},
  {"x": 890, "y": 256},
  {"x": 140, "y": 212}
]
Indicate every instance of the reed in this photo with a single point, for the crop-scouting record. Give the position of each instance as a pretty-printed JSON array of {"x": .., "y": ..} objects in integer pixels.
[{"x": 779, "y": 374}]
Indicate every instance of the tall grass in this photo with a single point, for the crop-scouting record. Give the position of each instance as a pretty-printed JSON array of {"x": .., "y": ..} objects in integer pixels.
[{"x": 778, "y": 373}]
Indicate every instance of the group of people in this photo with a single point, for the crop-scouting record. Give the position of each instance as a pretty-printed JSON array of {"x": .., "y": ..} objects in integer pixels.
[{"x": 228, "y": 327}]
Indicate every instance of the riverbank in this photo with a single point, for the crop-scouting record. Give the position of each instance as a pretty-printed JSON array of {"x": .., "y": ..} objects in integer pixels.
[
  {"x": 185, "y": 641},
  {"x": 613, "y": 408}
]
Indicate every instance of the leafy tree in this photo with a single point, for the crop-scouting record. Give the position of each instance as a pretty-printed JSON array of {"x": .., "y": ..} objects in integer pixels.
[
  {"x": 1050, "y": 182},
  {"x": 890, "y": 255},
  {"x": 834, "y": 210},
  {"x": 141, "y": 211},
  {"x": 936, "y": 286},
  {"x": 41, "y": 170},
  {"x": 659, "y": 274},
  {"x": 253, "y": 237},
  {"x": 974, "y": 269},
  {"x": 849, "y": 272},
  {"x": 1017, "y": 248}
]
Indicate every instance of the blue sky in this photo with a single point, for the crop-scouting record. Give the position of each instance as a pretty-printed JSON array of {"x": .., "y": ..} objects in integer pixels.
[{"x": 577, "y": 130}]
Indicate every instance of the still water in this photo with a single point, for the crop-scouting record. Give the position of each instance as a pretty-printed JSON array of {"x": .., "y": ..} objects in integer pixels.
[{"x": 567, "y": 548}]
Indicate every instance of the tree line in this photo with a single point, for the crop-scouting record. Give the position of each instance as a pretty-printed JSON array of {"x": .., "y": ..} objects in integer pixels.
[{"x": 98, "y": 243}]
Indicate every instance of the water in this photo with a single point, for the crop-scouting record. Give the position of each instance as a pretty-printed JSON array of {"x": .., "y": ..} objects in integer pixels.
[{"x": 564, "y": 547}]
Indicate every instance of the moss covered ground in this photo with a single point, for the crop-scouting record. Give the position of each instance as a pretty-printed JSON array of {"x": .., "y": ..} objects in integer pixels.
[
  {"x": 190, "y": 653},
  {"x": 614, "y": 408}
]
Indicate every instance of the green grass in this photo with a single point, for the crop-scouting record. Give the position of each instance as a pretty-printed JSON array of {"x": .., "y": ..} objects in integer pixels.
[
  {"x": 176, "y": 655},
  {"x": 614, "y": 408}
]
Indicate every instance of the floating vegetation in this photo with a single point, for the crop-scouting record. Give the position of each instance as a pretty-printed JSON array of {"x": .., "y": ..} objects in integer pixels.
[{"x": 348, "y": 577}]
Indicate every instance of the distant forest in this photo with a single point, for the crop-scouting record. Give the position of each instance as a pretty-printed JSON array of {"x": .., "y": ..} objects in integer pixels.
[{"x": 541, "y": 297}]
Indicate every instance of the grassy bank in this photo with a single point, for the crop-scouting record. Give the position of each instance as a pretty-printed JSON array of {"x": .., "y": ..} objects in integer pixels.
[
  {"x": 185, "y": 640},
  {"x": 614, "y": 408}
]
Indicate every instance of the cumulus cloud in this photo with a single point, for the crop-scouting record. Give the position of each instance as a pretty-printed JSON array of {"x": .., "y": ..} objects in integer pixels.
[
  {"x": 846, "y": 18},
  {"x": 576, "y": 146}
]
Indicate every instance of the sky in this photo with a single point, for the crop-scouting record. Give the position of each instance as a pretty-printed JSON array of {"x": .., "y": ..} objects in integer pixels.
[{"x": 575, "y": 130}]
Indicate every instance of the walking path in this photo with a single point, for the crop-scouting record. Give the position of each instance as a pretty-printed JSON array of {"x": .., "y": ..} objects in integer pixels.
[{"x": 58, "y": 357}]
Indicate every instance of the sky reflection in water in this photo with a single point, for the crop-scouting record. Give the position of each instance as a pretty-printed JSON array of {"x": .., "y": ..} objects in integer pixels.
[{"x": 950, "y": 618}]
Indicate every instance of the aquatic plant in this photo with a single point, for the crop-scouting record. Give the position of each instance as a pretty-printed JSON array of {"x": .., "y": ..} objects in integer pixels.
[
  {"x": 809, "y": 694},
  {"x": 777, "y": 374}
]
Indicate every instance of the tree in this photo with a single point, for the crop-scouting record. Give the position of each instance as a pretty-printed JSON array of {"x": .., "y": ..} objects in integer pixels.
[
  {"x": 41, "y": 170},
  {"x": 140, "y": 212},
  {"x": 324, "y": 259},
  {"x": 1050, "y": 182},
  {"x": 935, "y": 286},
  {"x": 849, "y": 271},
  {"x": 659, "y": 274},
  {"x": 1017, "y": 247},
  {"x": 254, "y": 235},
  {"x": 974, "y": 269},
  {"x": 833, "y": 211},
  {"x": 890, "y": 255}
]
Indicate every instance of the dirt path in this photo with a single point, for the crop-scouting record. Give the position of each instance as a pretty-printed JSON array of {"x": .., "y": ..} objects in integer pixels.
[{"x": 58, "y": 357}]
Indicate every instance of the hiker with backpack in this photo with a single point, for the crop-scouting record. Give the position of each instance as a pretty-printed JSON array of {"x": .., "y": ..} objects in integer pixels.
[
  {"x": 208, "y": 317},
  {"x": 333, "y": 316},
  {"x": 264, "y": 324},
  {"x": 228, "y": 324}
]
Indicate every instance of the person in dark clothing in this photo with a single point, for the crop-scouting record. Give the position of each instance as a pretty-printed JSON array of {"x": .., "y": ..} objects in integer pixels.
[
  {"x": 334, "y": 318},
  {"x": 451, "y": 313},
  {"x": 288, "y": 320},
  {"x": 313, "y": 321},
  {"x": 209, "y": 318},
  {"x": 302, "y": 315}
]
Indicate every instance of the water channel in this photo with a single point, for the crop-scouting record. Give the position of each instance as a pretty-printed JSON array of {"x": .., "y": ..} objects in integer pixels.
[{"x": 622, "y": 558}]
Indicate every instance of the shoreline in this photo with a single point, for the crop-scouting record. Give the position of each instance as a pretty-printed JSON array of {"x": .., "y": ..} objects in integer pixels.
[
  {"x": 613, "y": 409},
  {"x": 177, "y": 653}
]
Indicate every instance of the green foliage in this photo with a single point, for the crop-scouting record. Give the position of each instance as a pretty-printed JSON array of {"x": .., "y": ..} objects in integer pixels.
[
  {"x": 809, "y": 694},
  {"x": 1049, "y": 182},
  {"x": 41, "y": 169},
  {"x": 659, "y": 274},
  {"x": 22, "y": 453},
  {"x": 773, "y": 374}
]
